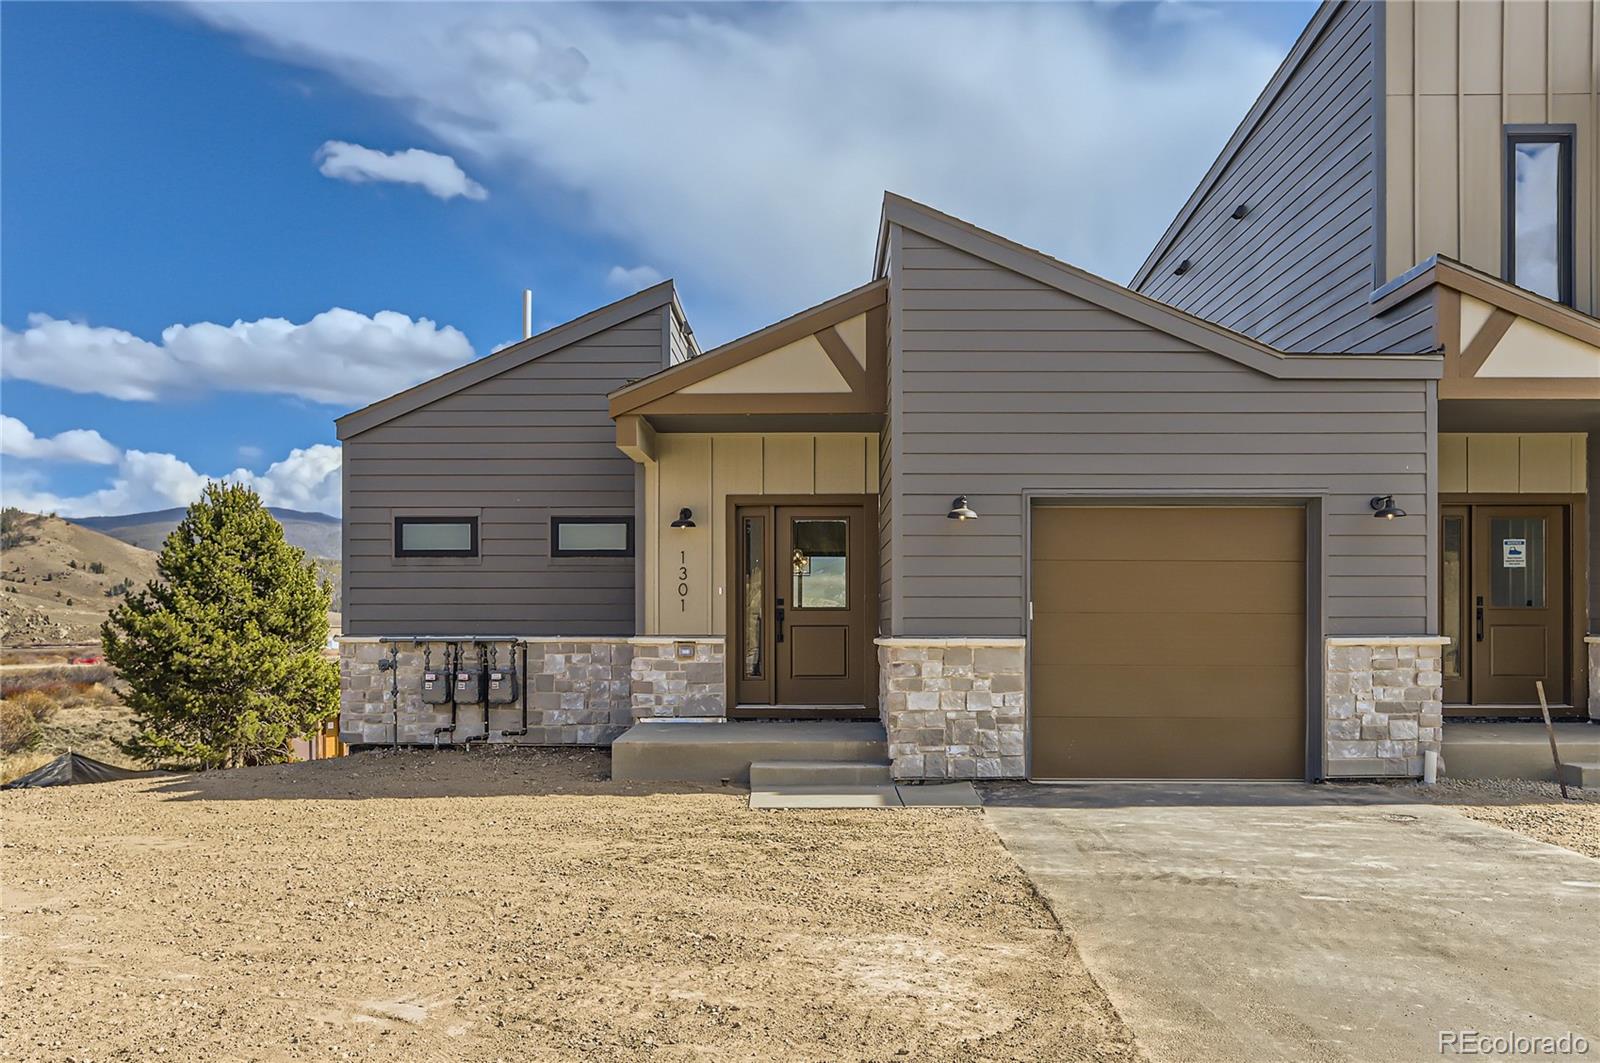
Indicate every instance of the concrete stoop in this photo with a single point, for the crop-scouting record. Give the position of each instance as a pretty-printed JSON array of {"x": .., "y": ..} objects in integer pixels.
[
  {"x": 1584, "y": 774},
  {"x": 1519, "y": 750},
  {"x": 808, "y": 752}
]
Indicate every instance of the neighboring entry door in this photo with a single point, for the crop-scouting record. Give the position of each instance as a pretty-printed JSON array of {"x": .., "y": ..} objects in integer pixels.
[
  {"x": 801, "y": 612},
  {"x": 1518, "y": 604}
]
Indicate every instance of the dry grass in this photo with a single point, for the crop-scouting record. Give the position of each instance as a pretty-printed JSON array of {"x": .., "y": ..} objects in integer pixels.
[
  {"x": 49, "y": 717},
  {"x": 518, "y": 905}
]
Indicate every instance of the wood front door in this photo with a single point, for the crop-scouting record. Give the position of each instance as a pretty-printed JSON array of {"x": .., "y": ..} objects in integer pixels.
[
  {"x": 801, "y": 615},
  {"x": 1519, "y": 604},
  {"x": 1504, "y": 590}
]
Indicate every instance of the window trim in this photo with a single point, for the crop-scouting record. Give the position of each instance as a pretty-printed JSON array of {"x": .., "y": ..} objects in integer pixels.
[
  {"x": 401, "y": 551},
  {"x": 1565, "y": 137},
  {"x": 556, "y": 521}
]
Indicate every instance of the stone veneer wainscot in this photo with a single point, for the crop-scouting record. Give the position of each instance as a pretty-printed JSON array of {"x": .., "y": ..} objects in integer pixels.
[
  {"x": 578, "y": 694},
  {"x": 668, "y": 687},
  {"x": 1592, "y": 644},
  {"x": 953, "y": 708},
  {"x": 1384, "y": 699}
]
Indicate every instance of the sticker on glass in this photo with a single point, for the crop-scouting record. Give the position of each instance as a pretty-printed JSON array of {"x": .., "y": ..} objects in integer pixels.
[{"x": 1513, "y": 553}]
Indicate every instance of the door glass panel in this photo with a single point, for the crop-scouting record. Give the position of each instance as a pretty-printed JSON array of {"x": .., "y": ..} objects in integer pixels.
[
  {"x": 1454, "y": 574},
  {"x": 1516, "y": 562},
  {"x": 752, "y": 589},
  {"x": 820, "y": 564}
]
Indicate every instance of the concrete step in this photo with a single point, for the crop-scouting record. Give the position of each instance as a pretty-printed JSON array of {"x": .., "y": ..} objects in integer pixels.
[
  {"x": 1584, "y": 774},
  {"x": 1514, "y": 750},
  {"x": 770, "y": 774},
  {"x": 723, "y": 752}
]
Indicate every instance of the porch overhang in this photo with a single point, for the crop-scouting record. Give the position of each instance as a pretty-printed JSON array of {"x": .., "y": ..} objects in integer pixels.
[
  {"x": 1502, "y": 342},
  {"x": 822, "y": 369}
]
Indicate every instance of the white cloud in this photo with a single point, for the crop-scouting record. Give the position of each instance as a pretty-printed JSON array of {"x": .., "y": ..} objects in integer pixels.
[
  {"x": 632, "y": 280},
  {"x": 308, "y": 479},
  {"x": 746, "y": 150},
  {"x": 339, "y": 357},
  {"x": 78, "y": 444},
  {"x": 440, "y": 175}
]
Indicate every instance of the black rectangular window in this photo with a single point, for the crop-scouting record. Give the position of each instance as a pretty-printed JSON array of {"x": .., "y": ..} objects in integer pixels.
[
  {"x": 591, "y": 536},
  {"x": 436, "y": 537},
  {"x": 1538, "y": 210}
]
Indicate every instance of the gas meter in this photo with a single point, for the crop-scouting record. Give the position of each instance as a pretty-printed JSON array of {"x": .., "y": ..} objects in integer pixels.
[
  {"x": 435, "y": 683},
  {"x": 502, "y": 682},
  {"x": 469, "y": 682}
]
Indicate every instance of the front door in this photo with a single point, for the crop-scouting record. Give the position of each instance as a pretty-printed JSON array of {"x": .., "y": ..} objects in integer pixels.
[
  {"x": 1504, "y": 584},
  {"x": 801, "y": 610}
]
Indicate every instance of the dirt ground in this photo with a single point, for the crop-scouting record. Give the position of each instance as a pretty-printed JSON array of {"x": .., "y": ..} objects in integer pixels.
[
  {"x": 519, "y": 906},
  {"x": 1535, "y": 809}
]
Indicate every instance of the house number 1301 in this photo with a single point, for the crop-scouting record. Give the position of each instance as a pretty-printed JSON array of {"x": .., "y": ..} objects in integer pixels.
[{"x": 683, "y": 581}]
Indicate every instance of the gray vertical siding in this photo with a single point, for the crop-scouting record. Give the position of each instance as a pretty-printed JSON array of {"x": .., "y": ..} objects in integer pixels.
[
  {"x": 1006, "y": 385},
  {"x": 1298, "y": 271},
  {"x": 535, "y": 440}
]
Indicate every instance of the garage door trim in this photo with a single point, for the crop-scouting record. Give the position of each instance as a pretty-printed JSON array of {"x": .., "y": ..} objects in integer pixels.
[{"x": 1312, "y": 501}]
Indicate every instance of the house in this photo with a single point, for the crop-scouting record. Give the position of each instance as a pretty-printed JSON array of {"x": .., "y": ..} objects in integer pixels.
[{"x": 1320, "y": 479}]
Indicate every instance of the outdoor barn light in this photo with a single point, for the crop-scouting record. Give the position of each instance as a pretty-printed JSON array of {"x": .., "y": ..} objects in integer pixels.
[
  {"x": 1384, "y": 508},
  {"x": 959, "y": 510},
  {"x": 685, "y": 518}
]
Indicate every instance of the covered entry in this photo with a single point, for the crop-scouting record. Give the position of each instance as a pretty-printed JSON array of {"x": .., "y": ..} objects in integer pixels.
[{"x": 1168, "y": 642}]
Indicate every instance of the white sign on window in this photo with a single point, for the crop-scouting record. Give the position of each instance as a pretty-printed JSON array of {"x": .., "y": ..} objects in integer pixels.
[{"x": 1514, "y": 553}]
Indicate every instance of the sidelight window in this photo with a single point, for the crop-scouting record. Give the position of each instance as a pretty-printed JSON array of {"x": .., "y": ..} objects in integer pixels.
[{"x": 1538, "y": 210}]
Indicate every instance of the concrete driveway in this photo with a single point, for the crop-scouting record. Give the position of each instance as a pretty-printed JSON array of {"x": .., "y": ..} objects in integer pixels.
[{"x": 1249, "y": 923}]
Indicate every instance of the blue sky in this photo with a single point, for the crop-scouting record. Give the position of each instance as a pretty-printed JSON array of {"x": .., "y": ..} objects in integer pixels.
[{"x": 162, "y": 168}]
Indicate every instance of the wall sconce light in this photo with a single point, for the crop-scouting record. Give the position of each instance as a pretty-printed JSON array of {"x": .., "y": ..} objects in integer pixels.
[
  {"x": 1241, "y": 212},
  {"x": 959, "y": 510},
  {"x": 1182, "y": 268},
  {"x": 685, "y": 518},
  {"x": 1384, "y": 508}
]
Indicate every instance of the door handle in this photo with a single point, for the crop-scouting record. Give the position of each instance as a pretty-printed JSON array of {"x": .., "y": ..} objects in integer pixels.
[
  {"x": 779, "y": 616},
  {"x": 1480, "y": 618}
]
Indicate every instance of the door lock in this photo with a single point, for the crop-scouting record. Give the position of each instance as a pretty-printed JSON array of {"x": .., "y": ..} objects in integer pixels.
[
  {"x": 1480, "y": 618},
  {"x": 779, "y": 618}
]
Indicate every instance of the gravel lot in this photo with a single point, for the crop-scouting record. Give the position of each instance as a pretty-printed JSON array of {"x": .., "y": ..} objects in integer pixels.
[
  {"x": 1535, "y": 809},
  {"x": 517, "y": 906}
]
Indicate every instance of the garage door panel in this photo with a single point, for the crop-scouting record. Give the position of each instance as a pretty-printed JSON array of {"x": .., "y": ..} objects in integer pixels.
[
  {"x": 1171, "y": 691},
  {"x": 1168, "y": 642},
  {"x": 1176, "y": 587},
  {"x": 1197, "y": 748},
  {"x": 1231, "y": 639},
  {"x": 1186, "y": 533}
]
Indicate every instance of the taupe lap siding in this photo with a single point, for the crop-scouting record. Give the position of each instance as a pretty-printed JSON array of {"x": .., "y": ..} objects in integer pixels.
[
  {"x": 534, "y": 441},
  {"x": 1009, "y": 386}
]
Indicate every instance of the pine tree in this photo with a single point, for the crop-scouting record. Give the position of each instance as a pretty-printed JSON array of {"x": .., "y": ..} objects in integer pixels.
[{"x": 222, "y": 653}]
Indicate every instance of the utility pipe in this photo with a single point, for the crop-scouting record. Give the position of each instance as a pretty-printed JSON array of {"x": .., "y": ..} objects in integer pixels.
[
  {"x": 453, "y": 659},
  {"x": 523, "y": 696}
]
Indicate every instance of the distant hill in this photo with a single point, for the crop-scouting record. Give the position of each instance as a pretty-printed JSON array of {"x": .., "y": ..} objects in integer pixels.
[
  {"x": 58, "y": 580},
  {"x": 315, "y": 533}
]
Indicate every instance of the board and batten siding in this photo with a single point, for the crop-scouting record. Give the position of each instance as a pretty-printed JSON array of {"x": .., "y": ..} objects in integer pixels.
[
  {"x": 534, "y": 441},
  {"x": 1007, "y": 386},
  {"x": 1297, "y": 271}
]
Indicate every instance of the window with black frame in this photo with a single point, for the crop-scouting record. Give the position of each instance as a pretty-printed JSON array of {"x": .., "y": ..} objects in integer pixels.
[
  {"x": 436, "y": 537},
  {"x": 591, "y": 536},
  {"x": 1538, "y": 210}
]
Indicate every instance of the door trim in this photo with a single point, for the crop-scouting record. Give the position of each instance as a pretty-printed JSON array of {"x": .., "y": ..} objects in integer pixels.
[
  {"x": 868, "y": 705},
  {"x": 1576, "y": 528},
  {"x": 1313, "y": 501}
]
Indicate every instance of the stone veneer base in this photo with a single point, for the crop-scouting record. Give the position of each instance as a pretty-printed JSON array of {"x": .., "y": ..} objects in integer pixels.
[
  {"x": 953, "y": 708},
  {"x": 1384, "y": 705},
  {"x": 1592, "y": 644},
  {"x": 582, "y": 690}
]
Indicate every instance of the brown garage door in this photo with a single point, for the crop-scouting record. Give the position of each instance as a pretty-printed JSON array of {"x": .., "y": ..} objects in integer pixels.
[{"x": 1168, "y": 643}]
